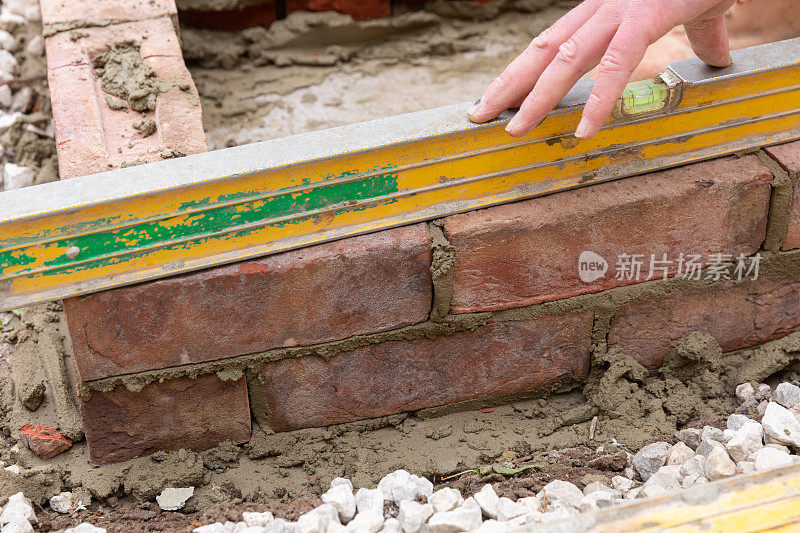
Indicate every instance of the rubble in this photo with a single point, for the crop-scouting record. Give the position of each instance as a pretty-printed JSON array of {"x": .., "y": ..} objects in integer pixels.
[
  {"x": 172, "y": 499},
  {"x": 61, "y": 503},
  {"x": 44, "y": 441}
]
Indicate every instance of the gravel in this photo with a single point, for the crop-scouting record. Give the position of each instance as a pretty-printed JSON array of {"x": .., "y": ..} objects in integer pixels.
[
  {"x": 700, "y": 456},
  {"x": 650, "y": 458}
]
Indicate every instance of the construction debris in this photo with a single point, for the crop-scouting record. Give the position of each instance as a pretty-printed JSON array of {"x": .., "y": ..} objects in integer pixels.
[{"x": 44, "y": 441}]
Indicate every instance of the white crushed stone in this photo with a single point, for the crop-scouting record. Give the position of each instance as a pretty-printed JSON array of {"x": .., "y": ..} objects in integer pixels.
[
  {"x": 341, "y": 496},
  {"x": 17, "y": 508},
  {"x": 86, "y": 527},
  {"x": 445, "y": 499},
  {"x": 700, "y": 456},
  {"x": 650, "y": 458},
  {"x": 257, "y": 519},
  {"x": 61, "y": 503},
  {"x": 172, "y": 499},
  {"x": 780, "y": 425},
  {"x": 413, "y": 515},
  {"x": 487, "y": 500}
]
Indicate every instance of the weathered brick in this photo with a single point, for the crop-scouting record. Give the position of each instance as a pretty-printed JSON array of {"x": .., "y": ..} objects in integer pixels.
[
  {"x": 527, "y": 252},
  {"x": 789, "y": 157},
  {"x": 194, "y": 414},
  {"x": 61, "y": 11},
  {"x": 358, "y": 9},
  {"x": 326, "y": 292},
  {"x": 397, "y": 376},
  {"x": 44, "y": 441},
  {"x": 737, "y": 315},
  {"x": 91, "y": 137}
]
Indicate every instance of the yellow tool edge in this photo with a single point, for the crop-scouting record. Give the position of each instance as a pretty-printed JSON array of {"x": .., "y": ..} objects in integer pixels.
[
  {"x": 765, "y": 501},
  {"x": 456, "y": 168}
]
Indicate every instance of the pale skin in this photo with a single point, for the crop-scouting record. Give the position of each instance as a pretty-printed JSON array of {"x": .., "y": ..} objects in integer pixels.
[{"x": 612, "y": 35}]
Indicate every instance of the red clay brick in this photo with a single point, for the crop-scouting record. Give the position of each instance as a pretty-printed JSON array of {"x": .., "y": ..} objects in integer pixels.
[
  {"x": 393, "y": 377},
  {"x": 195, "y": 414},
  {"x": 44, "y": 441},
  {"x": 327, "y": 292},
  {"x": 60, "y": 11},
  {"x": 526, "y": 253},
  {"x": 91, "y": 136},
  {"x": 358, "y": 9},
  {"x": 789, "y": 157},
  {"x": 738, "y": 316}
]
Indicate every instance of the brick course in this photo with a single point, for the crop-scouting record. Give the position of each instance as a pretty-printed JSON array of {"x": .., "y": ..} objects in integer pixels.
[
  {"x": 264, "y": 14},
  {"x": 195, "y": 414},
  {"x": 91, "y": 137},
  {"x": 527, "y": 252},
  {"x": 318, "y": 294},
  {"x": 737, "y": 315},
  {"x": 789, "y": 157},
  {"x": 392, "y": 377}
]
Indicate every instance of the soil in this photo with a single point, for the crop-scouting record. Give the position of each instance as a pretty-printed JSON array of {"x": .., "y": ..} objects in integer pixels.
[
  {"x": 262, "y": 83},
  {"x": 287, "y": 472}
]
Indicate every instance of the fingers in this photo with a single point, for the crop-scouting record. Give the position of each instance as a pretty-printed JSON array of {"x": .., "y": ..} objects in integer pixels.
[
  {"x": 709, "y": 40},
  {"x": 575, "y": 57},
  {"x": 624, "y": 54},
  {"x": 521, "y": 75}
]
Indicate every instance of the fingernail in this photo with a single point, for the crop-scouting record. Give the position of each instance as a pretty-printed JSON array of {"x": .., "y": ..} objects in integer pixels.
[
  {"x": 583, "y": 129},
  {"x": 474, "y": 109},
  {"x": 511, "y": 127}
]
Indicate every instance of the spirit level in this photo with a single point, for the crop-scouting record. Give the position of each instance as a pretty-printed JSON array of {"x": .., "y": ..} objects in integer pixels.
[
  {"x": 766, "y": 501},
  {"x": 130, "y": 225}
]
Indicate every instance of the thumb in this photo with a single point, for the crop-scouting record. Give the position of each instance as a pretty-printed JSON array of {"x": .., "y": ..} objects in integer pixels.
[{"x": 709, "y": 38}]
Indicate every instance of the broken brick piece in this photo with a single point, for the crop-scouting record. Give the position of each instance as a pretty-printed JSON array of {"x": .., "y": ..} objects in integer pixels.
[{"x": 44, "y": 441}]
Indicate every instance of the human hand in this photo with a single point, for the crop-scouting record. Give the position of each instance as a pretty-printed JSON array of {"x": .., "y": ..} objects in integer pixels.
[{"x": 612, "y": 33}]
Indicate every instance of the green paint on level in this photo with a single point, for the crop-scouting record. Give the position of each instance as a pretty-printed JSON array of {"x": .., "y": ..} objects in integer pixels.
[
  {"x": 17, "y": 241},
  {"x": 106, "y": 261},
  {"x": 96, "y": 246},
  {"x": 194, "y": 204}
]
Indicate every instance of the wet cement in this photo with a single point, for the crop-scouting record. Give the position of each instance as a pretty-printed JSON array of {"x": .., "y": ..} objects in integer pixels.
[
  {"x": 634, "y": 406},
  {"x": 362, "y": 80},
  {"x": 123, "y": 73},
  {"x": 261, "y": 84}
]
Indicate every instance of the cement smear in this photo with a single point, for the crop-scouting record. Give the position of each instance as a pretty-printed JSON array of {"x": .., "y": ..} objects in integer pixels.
[
  {"x": 261, "y": 84},
  {"x": 444, "y": 259},
  {"x": 634, "y": 406},
  {"x": 124, "y": 74}
]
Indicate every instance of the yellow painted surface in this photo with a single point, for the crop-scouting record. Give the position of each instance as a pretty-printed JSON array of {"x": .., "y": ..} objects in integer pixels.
[
  {"x": 767, "y": 501},
  {"x": 476, "y": 169}
]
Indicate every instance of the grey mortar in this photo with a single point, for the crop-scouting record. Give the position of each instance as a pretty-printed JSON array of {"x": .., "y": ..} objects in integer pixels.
[
  {"x": 780, "y": 204},
  {"x": 774, "y": 266},
  {"x": 442, "y": 264}
]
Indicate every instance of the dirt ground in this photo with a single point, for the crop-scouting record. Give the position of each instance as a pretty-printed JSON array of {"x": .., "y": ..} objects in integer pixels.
[
  {"x": 287, "y": 80},
  {"x": 286, "y": 473}
]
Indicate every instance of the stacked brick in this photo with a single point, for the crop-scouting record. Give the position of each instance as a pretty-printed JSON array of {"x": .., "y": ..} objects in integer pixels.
[
  {"x": 92, "y": 137},
  {"x": 345, "y": 331}
]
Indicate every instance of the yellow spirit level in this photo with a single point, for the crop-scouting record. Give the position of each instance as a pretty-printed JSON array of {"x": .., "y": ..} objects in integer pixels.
[{"x": 130, "y": 225}]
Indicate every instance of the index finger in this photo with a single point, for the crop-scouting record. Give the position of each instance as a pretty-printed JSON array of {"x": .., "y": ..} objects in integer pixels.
[
  {"x": 624, "y": 54},
  {"x": 521, "y": 75}
]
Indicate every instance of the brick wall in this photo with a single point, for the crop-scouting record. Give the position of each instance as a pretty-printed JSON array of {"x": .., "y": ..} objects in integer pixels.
[{"x": 475, "y": 308}]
